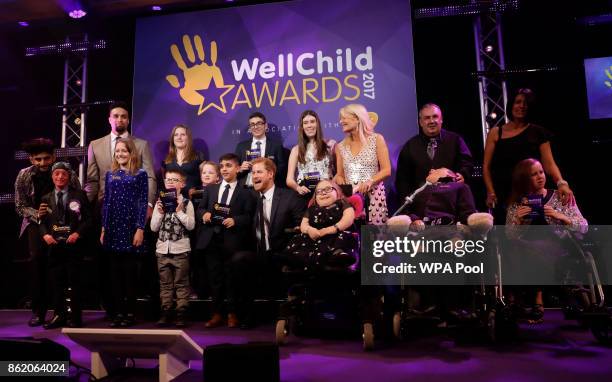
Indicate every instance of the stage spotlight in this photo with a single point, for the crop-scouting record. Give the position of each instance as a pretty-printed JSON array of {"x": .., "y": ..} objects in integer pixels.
[
  {"x": 78, "y": 82},
  {"x": 77, "y": 13},
  {"x": 493, "y": 115},
  {"x": 24, "y": 24},
  {"x": 489, "y": 48},
  {"x": 156, "y": 8}
]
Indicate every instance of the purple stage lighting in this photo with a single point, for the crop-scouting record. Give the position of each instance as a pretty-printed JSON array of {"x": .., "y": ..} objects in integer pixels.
[
  {"x": 24, "y": 23},
  {"x": 77, "y": 13},
  {"x": 156, "y": 8}
]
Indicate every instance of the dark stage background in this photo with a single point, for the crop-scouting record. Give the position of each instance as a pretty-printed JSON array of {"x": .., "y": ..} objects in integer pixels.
[{"x": 542, "y": 32}]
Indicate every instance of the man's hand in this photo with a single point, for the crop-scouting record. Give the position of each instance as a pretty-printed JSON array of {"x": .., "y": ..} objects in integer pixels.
[
  {"x": 49, "y": 240},
  {"x": 73, "y": 238}
]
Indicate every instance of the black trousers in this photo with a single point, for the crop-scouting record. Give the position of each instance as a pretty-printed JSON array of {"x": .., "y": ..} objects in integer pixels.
[
  {"x": 221, "y": 274},
  {"x": 259, "y": 274},
  {"x": 65, "y": 261},
  {"x": 124, "y": 271},
  {"x": 38, "y": 269}
]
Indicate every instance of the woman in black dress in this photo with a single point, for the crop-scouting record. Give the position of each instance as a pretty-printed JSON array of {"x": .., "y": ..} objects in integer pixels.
[
  {"x": 511, "y": 143},
  {"x": 182, "y": 156}
]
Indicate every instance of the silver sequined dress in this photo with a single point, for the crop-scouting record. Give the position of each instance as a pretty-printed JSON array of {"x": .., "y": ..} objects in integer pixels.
[{"x": 361, "y": 168}]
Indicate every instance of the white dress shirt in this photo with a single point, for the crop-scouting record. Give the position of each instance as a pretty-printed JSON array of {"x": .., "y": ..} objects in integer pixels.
[
  {"x": 267, "y": 207},
  {"x": 230, "y": 193}
]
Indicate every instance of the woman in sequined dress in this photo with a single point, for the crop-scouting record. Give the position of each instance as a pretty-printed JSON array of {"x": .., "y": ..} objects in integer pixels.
[
  {"x": 123, "y": 220},
  {"x": 311, "y": 156},
  {"x": 362, "y": 159}
]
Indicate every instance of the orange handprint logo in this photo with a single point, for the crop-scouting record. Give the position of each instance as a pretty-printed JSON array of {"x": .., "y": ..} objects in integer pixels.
[{"x": 197, "y": 78}]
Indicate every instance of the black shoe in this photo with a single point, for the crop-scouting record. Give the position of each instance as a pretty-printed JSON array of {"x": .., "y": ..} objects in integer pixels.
[
  {"x": 36, "y": 320},
  {"x": 166, "y": 318},
  {"x": 116, "y": 322},
  {"x": 128, "y": 321},
  {"x": 56, "y": 322},
  {"x": 181, "y": 318}
]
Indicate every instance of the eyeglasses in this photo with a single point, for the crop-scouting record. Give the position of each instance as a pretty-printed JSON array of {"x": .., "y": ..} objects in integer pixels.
[
  {"x": 172, "y": 180},
  {"x": 325, "y": 190},
  {"x": 257, "y": 124}
]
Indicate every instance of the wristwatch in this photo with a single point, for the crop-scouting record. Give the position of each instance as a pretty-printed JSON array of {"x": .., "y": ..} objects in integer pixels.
[{"x": 562, "y": 183}]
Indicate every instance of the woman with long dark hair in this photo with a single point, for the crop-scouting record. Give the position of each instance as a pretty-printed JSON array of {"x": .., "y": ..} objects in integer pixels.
[
  {"x": 311, "y": 157},
  {"x": 183, "y": 156}
]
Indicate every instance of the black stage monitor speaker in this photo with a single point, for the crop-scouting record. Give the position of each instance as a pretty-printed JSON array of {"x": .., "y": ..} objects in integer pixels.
[
  {"x": 254, "y": 361},
  {"x": 32, "y": 349}
]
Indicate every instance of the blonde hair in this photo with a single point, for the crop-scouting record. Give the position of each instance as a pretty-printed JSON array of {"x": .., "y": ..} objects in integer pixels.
[
  {"x": 365, "y": 126},
  {"x": 134, "y": 161},
  {"x": 211, "y": 163}
]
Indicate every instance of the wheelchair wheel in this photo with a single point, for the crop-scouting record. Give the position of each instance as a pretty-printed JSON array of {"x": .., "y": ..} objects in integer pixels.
[
  {"x": 397, "y": 325},
  {"x": 368, "y": 336},
  {"x": 601, "y": 329},
  {"x": 281, "y": 332}
]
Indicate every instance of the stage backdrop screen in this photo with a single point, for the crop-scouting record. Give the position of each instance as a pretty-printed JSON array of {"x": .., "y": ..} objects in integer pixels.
[
  {"x": 598, "y": 72},
  {"x": 211, "y": 69}
]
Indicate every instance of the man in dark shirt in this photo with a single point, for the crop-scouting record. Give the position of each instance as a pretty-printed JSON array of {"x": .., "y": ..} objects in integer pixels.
[{"x": 432, "y": 148}]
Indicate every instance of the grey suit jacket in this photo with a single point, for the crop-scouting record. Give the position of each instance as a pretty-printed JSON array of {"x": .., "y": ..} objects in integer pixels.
[{"x": 99, "y": 161}]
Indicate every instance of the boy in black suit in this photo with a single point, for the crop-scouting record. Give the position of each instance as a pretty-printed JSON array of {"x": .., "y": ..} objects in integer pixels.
[
  {"x": 266, "y": 148},
  {"x": 63, "y": 229},
  {"x": 226, "y": 211}
]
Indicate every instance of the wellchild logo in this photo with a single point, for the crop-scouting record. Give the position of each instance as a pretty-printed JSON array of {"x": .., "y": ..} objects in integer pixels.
[
  {"x": 196, "y": 88},
  {"x": 305, "y": 78}
]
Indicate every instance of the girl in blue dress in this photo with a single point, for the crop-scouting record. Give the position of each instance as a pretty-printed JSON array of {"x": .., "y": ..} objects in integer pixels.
[{"x": 123, "y": 220}]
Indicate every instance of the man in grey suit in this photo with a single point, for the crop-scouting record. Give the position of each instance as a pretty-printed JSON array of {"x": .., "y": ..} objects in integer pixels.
[
  {"x": 100, "y": 156},
  {"x": 99, "y": 161}
]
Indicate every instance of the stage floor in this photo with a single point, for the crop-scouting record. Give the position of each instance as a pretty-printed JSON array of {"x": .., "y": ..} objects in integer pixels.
[{"x": 556, "y": 350}]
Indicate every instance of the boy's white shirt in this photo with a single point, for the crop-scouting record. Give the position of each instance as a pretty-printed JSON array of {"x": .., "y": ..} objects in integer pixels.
[{"x": 187, "y": 219}]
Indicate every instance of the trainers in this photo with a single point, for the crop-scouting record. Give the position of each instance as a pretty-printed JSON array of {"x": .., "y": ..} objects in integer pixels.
[
  {"x": 165, "y": 319},
  {"x": 181, "y": 318}
]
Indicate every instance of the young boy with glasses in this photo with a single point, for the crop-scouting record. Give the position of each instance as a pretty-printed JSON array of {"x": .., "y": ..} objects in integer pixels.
[{"x": 172, "y": 217}]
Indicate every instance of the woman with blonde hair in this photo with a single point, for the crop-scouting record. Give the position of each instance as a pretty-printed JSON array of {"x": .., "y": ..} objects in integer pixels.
[
  {"x": 123, "y": 221},
  {"x": 362, "y": 159}
]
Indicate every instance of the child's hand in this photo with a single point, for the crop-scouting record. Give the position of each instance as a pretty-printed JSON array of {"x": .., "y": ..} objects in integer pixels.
[
  {"x": 314, "y": 233},
  {"x": 159, "y": 206},
  {"x": 206, "y": 217},
  {"x": 138, "y": 238}
]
